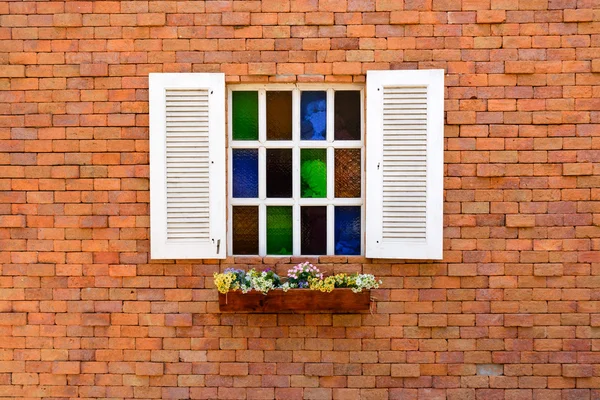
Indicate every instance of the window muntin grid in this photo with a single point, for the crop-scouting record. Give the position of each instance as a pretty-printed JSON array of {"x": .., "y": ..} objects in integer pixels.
[{"x": 258, "y": 145}]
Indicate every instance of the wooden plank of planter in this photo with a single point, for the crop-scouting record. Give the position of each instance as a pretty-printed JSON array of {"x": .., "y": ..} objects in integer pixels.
[{"x": 295, "y": 300}]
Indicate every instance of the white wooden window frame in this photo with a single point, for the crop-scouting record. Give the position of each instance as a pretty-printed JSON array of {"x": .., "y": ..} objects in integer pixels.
[{"x": 296, "y": 144}]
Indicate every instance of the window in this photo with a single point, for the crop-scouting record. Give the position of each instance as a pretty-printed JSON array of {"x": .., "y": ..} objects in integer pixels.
[
  {"x": 305, "y": 176},
  {"x": 295, "y": 170}
]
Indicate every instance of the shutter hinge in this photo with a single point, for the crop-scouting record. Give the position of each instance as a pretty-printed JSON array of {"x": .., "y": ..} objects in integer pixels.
[
  {"x": 218, "y": 245},
  {"x": 378, "y": 164}
]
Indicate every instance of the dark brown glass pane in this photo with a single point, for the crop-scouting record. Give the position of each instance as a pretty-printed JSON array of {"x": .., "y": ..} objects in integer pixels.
[
  {"x": 279, "y": 115},
  {"x": 347, "y": 115},
  {"x": 245, "y": 230},
  {"x": 347, "y": 173},
  {"x": 313, "y": 222},
  {"x": 279, "y": 173}
]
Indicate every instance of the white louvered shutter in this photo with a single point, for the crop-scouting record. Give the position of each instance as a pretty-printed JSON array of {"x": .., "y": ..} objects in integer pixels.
[
  {"x": 187, "y": 165},
  {"x": 405, "y": 161}
]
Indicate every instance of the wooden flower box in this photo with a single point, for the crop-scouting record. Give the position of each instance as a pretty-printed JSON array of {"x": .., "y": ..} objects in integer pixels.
[{"x": 339, "y": 300}]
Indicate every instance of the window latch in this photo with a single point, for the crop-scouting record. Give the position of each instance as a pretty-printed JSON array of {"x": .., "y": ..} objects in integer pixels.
[{"x": 218, "y": 245}]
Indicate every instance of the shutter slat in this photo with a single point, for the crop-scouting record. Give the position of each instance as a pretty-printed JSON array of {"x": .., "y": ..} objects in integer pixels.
[{"x": 416, "y": 128}]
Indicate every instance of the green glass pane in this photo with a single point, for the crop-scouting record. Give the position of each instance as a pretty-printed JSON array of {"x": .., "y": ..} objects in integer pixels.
[
  {"x": 313, "y": 173},
  {"x": 245, "y": 115},
  {"x": 279, "y": 230}
]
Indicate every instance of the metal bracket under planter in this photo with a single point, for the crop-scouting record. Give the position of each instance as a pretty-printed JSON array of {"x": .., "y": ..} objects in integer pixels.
[{"x": 340, "y": 300}]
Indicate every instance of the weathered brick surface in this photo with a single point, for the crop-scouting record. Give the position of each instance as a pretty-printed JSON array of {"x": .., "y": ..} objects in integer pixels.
[{"x": 513, "y": 310}]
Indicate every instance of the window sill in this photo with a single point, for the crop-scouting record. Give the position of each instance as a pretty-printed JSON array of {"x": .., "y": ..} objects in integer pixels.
[{"x": 339, "y": 300}]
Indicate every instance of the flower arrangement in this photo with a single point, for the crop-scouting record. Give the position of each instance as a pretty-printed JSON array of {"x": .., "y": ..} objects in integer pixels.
[
  {"x": 263, "y": 281},
  {"x": 356, "y": 282},
  {"x": 238, "y": 279},
  {"x": 301, "y": 276}
]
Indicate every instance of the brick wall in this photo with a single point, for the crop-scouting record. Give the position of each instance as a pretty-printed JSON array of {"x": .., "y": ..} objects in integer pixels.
[{"x": 513, "y": 310}]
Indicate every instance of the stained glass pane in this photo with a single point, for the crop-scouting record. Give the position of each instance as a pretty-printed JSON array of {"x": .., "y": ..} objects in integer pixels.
[
  {"x": 245, "y": 173},
  {"x": 313, "y": 115},
  {"x": 347, "y": 115},
  {"x": 245, "y": 115},
  {"x": 279, "y": 173},
  {"x": 245, "y": 230},
  {"x": 279, "y": 115},
  {"x": 279, "y": 230},
  {"x": 347, "y": 230},
  {"x": 313, "y": 173},
  {"x": 347, "y": 173},
  {"x": 313, "y": 226}
]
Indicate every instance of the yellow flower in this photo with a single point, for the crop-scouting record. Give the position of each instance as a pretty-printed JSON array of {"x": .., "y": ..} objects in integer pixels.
[
  {"x": 340, "y": 279},
  {"x": 324, "y": 285},
  {"x": 223, "y": 281}
]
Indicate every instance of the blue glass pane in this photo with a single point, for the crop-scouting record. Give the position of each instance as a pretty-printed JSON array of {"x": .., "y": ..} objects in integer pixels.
[
  {"x": 245, "y": 173},
  {"x": 313, "y": 115},
  {"x": 347, "y": 231}
]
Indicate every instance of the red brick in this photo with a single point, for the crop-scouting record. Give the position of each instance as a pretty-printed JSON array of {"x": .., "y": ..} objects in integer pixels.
[
  {"x": 583, "y": 15},
  {"x": 149, "y": 368},
  {"x": 491, "y": 16},
  {"x": 235, "y": 18},
  {"x": 304, "y": 5},
  {"x": 95, "y": 319},
  {"x": 151, "y": 19},
  {"x": 178, "y": 320},
  {"x": 276, "y": 6},
  {"x": 405, "y": 370},
  {"x": 66, "y": 367},
  {"x": 577, "y": 370},
  {"x": 404, "y": 17},
  {"x": 68, "y": 19},
  {"x": 261, "y": 68}
]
